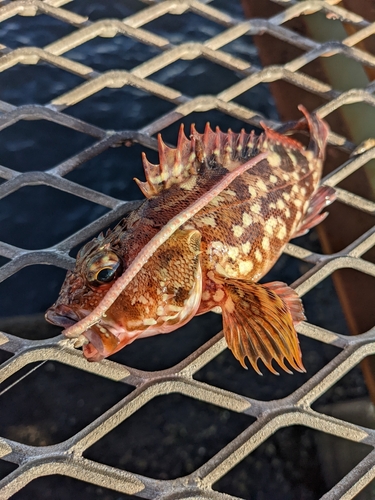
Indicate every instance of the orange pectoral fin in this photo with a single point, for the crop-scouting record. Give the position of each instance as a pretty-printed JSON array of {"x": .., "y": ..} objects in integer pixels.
[{"x": 258, "y": 322}]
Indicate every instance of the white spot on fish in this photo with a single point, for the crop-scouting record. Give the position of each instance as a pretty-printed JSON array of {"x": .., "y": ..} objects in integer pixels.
[
  {"x": 246, "y": 248},
  {"x": 309, "y": 155},
  {"x": 142, "y": 299},
  {"x": 233, "y": 252},
  {"x": 246, "y": 219},
  {"x": 217, "y": 245},
  {"x": 270, "y": 225},
  {"x": 189, "y": 184},
  {"x": 149, "y": 322},
  {"x": 273, "y": 159},
  {"x": 293, "y": 159},
  {"x": 245, "y": 266},
  {"x": 261, "y": 185},
  {"x": 220, "y": 270},
  {"x": 280, "y": 204},
  {"x": 281, "y": 233},
  {"x": 295, "y": 176},
  {"x": 208, "y": 220},
  {"x": 217, "y": 201},
  {"x": 258, "y": 255},
  {"x": 230, "y": 271},
  {"x": 266, "y": 243},
  {"x": 255, "y": 208},
  {"x": 238, "y": 231}
]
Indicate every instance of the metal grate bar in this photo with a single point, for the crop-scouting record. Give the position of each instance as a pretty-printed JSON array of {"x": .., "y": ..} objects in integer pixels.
[{"x": 66, "y": 457}]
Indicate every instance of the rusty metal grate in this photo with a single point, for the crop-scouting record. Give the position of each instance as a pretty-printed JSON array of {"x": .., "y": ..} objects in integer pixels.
[{"x": 66, "y": 458}]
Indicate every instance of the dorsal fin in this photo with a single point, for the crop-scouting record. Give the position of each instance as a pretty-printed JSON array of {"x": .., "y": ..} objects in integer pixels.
[{"x": 178, "y": 165}]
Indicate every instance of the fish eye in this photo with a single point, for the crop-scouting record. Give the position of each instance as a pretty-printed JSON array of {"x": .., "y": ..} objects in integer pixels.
[
  {"x": 106, "y": 275},
  {"x": 103, "y": 268}
]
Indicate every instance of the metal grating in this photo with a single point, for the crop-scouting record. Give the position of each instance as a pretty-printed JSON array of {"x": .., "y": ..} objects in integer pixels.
[{"x": 66, "y": 458}]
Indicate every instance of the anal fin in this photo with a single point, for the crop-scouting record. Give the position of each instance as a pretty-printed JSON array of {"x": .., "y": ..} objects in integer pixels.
[
  {"x": 258, "y": 322},
  {"x": 323, "y": 197}
]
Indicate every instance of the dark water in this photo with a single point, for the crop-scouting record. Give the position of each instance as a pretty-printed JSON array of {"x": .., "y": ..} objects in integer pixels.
[{"x": 172, "y": 435}]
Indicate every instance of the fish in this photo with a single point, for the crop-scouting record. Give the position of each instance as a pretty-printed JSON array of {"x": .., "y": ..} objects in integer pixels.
[{"x": 214, "y": 261}]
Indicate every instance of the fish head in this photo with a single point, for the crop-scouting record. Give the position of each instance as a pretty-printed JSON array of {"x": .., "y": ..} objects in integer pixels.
[{"x": 163, "y": 296}]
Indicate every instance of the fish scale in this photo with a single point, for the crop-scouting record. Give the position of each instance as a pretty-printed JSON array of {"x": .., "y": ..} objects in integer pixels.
[{"x": 214, "y": 261}]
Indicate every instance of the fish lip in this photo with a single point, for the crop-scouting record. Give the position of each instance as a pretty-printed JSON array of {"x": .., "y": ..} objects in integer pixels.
[
  {"x": 61, "y": 316},
  {"x": 92, "y": 341}
]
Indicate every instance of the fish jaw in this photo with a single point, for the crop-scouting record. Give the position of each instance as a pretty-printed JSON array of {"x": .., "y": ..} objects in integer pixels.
[
  {"x": 62, "y": 315},
  {"x": 113, "y": 332}
]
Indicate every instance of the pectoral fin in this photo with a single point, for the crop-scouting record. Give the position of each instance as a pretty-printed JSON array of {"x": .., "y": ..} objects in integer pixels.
[
  {"x": 323, "y": 197},
  {"x": 258, "y": 323}
]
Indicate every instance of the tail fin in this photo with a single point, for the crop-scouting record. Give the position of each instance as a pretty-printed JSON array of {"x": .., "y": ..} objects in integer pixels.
[
  {"x": 316, "y": 127},
  {"x": 319, "y": 131}
]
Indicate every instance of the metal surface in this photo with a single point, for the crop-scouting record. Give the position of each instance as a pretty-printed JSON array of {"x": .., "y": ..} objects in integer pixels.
[{"x": 67, "y": 457}]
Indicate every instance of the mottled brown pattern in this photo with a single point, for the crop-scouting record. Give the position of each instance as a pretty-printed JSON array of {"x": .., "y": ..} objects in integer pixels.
[{"x": 214, "y": 261}]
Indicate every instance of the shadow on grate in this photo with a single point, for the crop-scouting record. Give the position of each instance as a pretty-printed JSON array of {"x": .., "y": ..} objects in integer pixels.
[
  {"x": 350, "y": 387},
  {"x": 6, "y": 468},
  {"x": 164, "y": 351},
  {"x": 323, "y": 298},
  {"x": 3, "y": 260},
  {"x": 68, "y": 400},
  {"x": 226, "y": 373},
  {"x": 58, "y": 487},
  {"x": 4, "y": 356},
  {"x": 291, "y": 458},
  {"x": 28, "y": 292},
  {"x": 183, "y": 434}
]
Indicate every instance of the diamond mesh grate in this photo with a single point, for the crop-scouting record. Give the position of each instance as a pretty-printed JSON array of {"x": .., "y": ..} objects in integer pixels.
[{"x": 66, "y": 458}]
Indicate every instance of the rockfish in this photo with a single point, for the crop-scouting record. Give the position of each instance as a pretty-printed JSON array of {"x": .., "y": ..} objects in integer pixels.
[{"x": 214, "y": 261}]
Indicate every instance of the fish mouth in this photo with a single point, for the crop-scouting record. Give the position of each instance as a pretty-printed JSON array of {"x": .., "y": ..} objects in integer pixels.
[
  {"x": 98, "y": 342},
  {"x": 62, "y": 316}
]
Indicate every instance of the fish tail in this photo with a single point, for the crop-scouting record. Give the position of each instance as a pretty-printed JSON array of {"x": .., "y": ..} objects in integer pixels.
[{"x": 319, "y": 131}]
